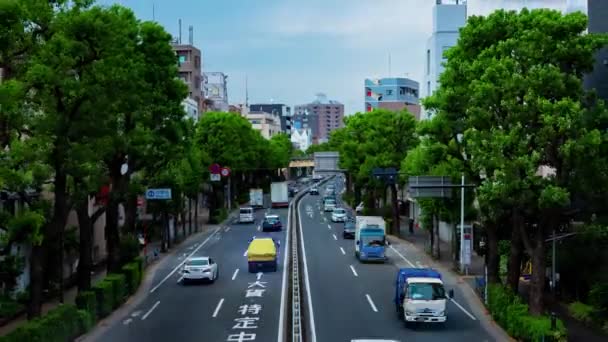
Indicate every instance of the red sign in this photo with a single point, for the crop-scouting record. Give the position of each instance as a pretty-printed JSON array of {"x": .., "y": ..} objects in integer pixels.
[
  {"x": 214, "y": 168},
  {"x": 140, "y": 201},
  {"x": 225, "y": 172},
  {"x": 103, "y": 195},
  {"x": 467, "y": 236}
]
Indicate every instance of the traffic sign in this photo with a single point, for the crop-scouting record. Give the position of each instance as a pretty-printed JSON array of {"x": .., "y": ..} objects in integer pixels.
[
  {"x": 215, "y": 177},
  {"x": 158, "y": 194},
  {"x": 140, "y": 201},
  {"x": 225, "y": 172},
  {"x": 215, "y": 168}
]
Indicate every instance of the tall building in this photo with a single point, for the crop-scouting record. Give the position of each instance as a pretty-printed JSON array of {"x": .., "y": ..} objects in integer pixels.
[
  {"x": 322, "y": 116},
  {"x": 597, "y": 10},
  {"x": 267, "y": 123},
  {"x": 190, "y": 71},
  {"x": 448, "y": 18},
  {"x": 283, "y": 111},
  {"x": 215, "y": 91},
  {"x": 394, "y": 93}
]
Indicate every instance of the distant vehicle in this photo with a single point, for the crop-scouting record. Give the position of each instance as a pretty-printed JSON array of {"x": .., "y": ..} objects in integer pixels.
[
  {"x": 370, "y": 238},
  {"x": 329, "y": 204},
  {"x": 246, "y": 215},
  {"x": 359, "y": 208},
  {"x": 317, "y": 177},
  {"x": 262, "y": 255},
  {"x": 256, "y": 198},
  {"x": 314, "y": 190},
  {"x": 338, "y": 215},
  {"x": 272, "y": 222},
  {"x": 420, "y": 296},
  {"x": 349, "y": 230},
  {"x": 279, "y": 195},
  {"x": 200, "y": 268}
]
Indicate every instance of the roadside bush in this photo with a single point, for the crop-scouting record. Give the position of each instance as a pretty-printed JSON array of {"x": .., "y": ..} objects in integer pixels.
[
  {"x": 129, "y": 248},
  {"x": 64, "y": 323},
  {"x": 140, "y": 264},
  {"x": 509, "y": 311},
  {"x": 104, "y": 296},
  {"x": 598, "y": 295},
  {"x": 118, "y": 288},
  {"x": 86, "y": 301},
  {"x": 218, "y": 216},
  {"x": 9, "y": 307},
  {"x": 581, "y": 312},
  {"x": 132, "y": 276}
]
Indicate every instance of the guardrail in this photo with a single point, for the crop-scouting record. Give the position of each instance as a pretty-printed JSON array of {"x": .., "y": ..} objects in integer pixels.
[{"x": 297, "y": 314}]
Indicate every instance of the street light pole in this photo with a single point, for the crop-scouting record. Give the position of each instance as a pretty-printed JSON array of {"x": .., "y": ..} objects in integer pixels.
[
  {"x": 462, "y": 265},
  {"x": 554, "y": 243}
]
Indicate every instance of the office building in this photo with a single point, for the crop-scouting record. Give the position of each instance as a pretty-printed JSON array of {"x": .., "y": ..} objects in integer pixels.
[
  {"x": 215, "y": 91},
  {"x": 267, "y": 123},
  {"x": 190, "y": 71},
  {"x": 283, "y": 111},
  {"x": 191, "y": 109},
  {"x": 394, "y": 93},
  {"x": 597, "y": 10},
  {"x": 448, "y": 18},
  {"x": 322, "y": 116}
]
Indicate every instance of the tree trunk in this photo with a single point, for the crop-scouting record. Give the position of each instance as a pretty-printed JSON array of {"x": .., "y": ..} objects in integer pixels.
[
  {"x": 196, "y": 212},
  {"x": 516, "y": 254},
  {"x": 189, "y": 215},
  {"x": 183, "y": 215},
  {"x": 395, "y": 201},
  {"x": 164, "y": 233},
  {"x": 34, "y": 308},
  {"x": 112, "y": 235},
  {"x": 436, "y": 249},
  {"x": 492, "y": 257},
  {"x": 60, "y": 213},
  {"x": 431, "y": 231},
  {"x": 537, "y": 283},
  {"x": 85, "y": 261},
  {"x": 130, "y": 213}
]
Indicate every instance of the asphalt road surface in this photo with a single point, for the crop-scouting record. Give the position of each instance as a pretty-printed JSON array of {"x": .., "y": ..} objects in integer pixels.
[
  {"x": 351, "y": 300},
  {"x": 239, "y": 306}
]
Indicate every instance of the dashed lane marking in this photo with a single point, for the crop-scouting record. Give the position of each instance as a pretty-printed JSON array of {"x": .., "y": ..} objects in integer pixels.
[
  {"x": 353, "y": 269},
  {"x": 371, "y": 303}
]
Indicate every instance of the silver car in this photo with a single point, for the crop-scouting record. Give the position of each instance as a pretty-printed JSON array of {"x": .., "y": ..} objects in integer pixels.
[
  {"x": 200, "y": 268},
  {"x": 338, "y": 215}
]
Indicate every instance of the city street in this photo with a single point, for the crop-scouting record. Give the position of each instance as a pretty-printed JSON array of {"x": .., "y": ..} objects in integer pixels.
[
  {"x": 351, "y": 300},
  {"x": 239, "y": 303}
]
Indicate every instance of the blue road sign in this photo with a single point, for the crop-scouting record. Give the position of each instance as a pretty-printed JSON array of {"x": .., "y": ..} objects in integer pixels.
[{"x": 158, "y": 194}]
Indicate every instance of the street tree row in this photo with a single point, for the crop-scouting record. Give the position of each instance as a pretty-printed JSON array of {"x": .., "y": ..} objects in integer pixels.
[{"x": 90, "y": 99}]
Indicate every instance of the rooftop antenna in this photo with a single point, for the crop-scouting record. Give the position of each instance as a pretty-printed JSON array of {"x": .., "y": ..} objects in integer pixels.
[
  {"x": 153, "y": 12},
  {"x": 179, "y": 39},
  {"x": 389, "y": 64},
  {"x": 191, "y": 35},
  {"x": 246, "y": 92}
]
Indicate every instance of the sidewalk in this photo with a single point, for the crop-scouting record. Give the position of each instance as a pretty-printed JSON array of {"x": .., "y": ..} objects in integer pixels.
[{"x": 70, "y": 293}]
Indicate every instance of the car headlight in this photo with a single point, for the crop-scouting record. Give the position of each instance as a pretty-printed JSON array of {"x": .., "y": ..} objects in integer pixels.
[
  {"x": 409, "y": 313},
  {"x": 362, "y": 254},
  {"x": 441, "y": 313}
]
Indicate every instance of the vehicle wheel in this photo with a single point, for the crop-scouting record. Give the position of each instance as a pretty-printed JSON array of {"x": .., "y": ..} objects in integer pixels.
[
  {"x": 217, "y": 274},
  {"x": 400, "y": 313},
  {"x": 251, "y": 268}
]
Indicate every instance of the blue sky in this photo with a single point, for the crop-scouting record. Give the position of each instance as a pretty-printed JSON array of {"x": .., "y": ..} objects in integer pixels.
[{"x": 292, "y": 49}]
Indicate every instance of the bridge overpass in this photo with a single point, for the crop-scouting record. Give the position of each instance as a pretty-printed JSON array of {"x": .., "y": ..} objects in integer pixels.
[{"x": 325, "y": 163}]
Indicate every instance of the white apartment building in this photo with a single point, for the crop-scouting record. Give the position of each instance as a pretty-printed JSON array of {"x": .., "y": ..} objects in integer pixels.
[{"x": 268, "y": 124}]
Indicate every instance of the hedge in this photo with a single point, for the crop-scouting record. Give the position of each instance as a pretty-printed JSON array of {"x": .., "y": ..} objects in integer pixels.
[
  {"x": 86, "y": 301},
  {"x": 132, "y": 276},
  {"x": 119, "y": 289},
  {"x": 509, "y": 311},
  {"x": 104, "y": 296},
  {"x": 63, "y": 323}
]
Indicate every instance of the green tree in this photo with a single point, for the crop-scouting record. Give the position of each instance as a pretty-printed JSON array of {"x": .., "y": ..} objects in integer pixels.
[
  {"x": 526, "y": 112},
  {"x": 281, "y": 150}
]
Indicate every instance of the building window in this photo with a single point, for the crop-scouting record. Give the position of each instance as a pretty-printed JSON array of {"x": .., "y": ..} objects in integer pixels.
[
  {"x": 428, "y": 62},
  {"x": 368, "y": 93},
  {"x": 197, "y": 82},
  {"x": 182, "y": 59},
  {"x": 197, "y": 62},
  {"x": 401, "y": 90},
  {"x": 428, "y": 88},
  {"x": 389, "y": 92}
]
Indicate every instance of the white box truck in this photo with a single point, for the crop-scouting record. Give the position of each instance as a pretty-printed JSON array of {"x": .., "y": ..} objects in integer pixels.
[
  {"x": 420, "y": 296},
  {"x": 370, "y": 238},
  {"x": 279, "y": 194},
  {"x": 256, "y": 198}
]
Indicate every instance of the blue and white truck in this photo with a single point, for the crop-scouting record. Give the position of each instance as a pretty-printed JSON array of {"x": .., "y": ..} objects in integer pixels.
[
  {"x": 370, "y": 238},
  {"x": 420, "y": 296}
]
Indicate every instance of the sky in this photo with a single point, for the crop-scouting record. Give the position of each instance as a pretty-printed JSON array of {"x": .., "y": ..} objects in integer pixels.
[{"x": 290, "y": 50}]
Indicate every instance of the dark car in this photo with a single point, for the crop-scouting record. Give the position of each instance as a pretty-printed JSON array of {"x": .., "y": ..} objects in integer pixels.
[
  {"x": 313, "y": 191},
  {"x": 349, "y": 230},
  {"x": 272, "y": 223}
]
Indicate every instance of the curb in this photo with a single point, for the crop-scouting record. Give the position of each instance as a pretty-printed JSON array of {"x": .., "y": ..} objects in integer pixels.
[
  {"x": 473, "y": 300},
  {"x": 144, "y": 288}
]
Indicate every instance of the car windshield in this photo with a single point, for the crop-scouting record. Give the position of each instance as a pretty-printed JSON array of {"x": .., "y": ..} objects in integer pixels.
[
  {"x": 349, "y": 225},
  {"x": 339, "y": 211},
  {"x": 426, "y": 291},
  {"x": 198, "y": 262},
  {"x": 373, "y": 241},
  {"x": 246, "y": 211},
  {"x": 272, "y": 219}
]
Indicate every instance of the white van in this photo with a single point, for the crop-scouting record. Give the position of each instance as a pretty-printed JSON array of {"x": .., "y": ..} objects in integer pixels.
[{"x": 246, "y": 215}]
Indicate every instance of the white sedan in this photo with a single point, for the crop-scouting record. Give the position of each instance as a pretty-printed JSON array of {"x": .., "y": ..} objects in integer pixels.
[
  {"x": 338, "y": 215},
  {"x": 200, "y": 268}
]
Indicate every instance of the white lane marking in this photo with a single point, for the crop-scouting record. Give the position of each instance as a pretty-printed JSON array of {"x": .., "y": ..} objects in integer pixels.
[
  {"x": 245, "y": 254},
  {"x": 127, "y": 321},
  {"x": 342, "y": 250},
  {"x": 313, "y": 328},
  {"x": 180, "y": 279},
  {"x": 284, "y": 280},
  {"x": 463, "y": 309},
  {"x": 371, "y": 303},
  {"x": 335, "y": 238},
  {"x": 217, "y": 308},
  {"x": 150, "y": 311},
  {"x": 235, "y": 273},
  {"x": 136, "y": 313},
  {"x": 259, "y": 228},
  {"x": 353, "y": 269},
  {"x": 227, "y": 229},
  {"x": 329, "y": 226},
  {"x": 402, "y": 257},
  {"x": 181, "y": 263}
]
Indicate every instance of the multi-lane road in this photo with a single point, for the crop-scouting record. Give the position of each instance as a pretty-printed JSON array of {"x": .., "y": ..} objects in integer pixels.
[{"x": 348, "y": 300}]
